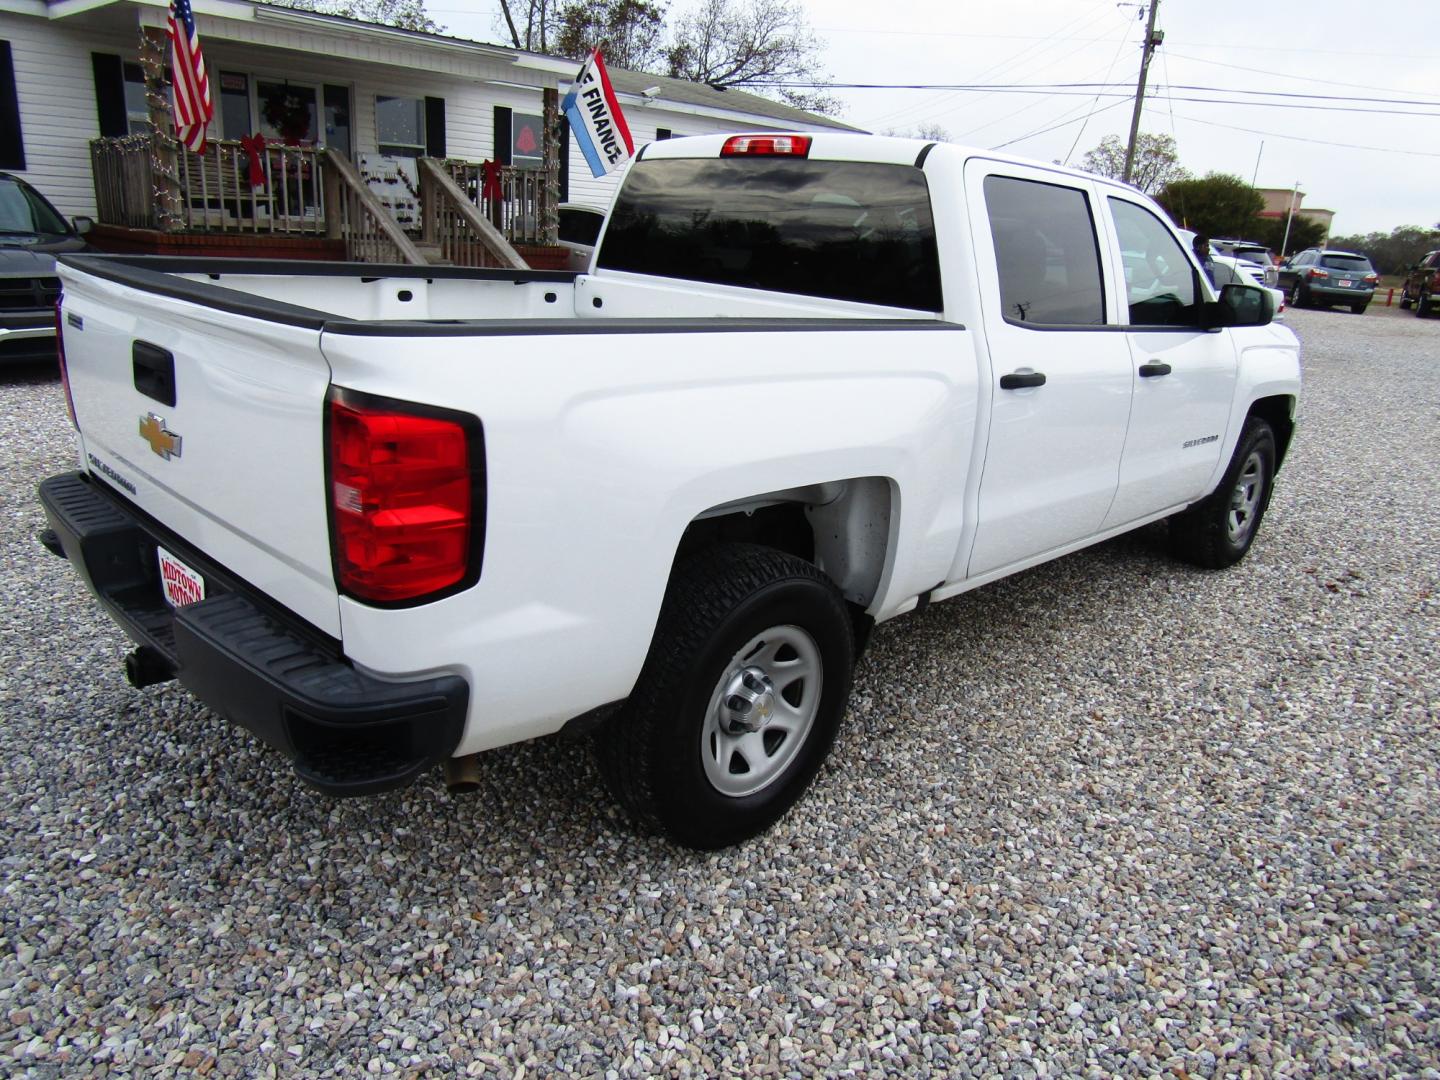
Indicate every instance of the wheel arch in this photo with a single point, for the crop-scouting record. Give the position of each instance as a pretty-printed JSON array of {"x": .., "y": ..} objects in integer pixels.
[
  {"x": 844, "y": 527},
  {"x": 1279, "y": 412}
]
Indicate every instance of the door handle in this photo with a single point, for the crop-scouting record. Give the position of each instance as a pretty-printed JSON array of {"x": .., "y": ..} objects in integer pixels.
[
  {"x": 1018, "y": 381},
  {"x": 1154, "y": 368}
]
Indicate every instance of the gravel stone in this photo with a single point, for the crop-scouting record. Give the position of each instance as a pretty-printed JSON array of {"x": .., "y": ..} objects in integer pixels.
[{"x": 1110, "y": 816}]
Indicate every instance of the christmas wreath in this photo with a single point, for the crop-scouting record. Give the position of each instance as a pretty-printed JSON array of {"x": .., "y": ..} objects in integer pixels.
[{"x": 288, "y": 112}]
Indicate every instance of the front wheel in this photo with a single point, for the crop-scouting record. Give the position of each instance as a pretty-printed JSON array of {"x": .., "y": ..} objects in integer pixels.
[
  {"x": 1404, "y": 299},
  {"x": 739, "y": 699},
  {"x": 1218, "y": 531}
]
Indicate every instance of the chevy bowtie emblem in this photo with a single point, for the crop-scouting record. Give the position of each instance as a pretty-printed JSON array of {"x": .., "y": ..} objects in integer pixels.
[{"x": 165, "y": 443}]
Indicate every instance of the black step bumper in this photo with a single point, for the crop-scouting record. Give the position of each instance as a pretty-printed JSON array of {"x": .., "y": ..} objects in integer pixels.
[{"x": 348, "y": 733}]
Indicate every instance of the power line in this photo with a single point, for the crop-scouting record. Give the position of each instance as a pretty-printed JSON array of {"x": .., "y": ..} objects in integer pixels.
[
  {"x": 1053, "y": 127},
  {"x": 1301, "y": 138}
]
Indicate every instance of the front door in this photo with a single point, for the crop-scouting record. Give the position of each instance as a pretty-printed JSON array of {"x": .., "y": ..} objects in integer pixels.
[
  {"x": 1061, "y": 372},
  {"x": 1184, "y": 376}
]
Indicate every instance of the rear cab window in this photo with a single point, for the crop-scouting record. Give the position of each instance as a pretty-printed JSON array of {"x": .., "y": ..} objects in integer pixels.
[{"x": 840, "y": 230}]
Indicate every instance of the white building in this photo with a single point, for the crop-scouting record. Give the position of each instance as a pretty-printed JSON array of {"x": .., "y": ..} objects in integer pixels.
[{"x": 69, "y": 73}]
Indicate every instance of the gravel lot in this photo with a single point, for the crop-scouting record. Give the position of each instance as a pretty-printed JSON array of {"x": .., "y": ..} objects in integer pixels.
[{"x": 1110, "y": 816}]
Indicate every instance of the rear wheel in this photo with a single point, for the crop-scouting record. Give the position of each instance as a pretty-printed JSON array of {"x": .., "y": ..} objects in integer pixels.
[
  {"x": 1297, "y": 297},
  {"x": 1422, "y": 306},
  {"x": 1359, "y": 309},
  {"x": 739, "y": 699},
  {"x": 1218, "y": 531}
]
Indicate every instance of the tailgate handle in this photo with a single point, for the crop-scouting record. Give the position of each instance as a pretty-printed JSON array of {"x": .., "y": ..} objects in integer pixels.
[{"x": 154, "y": 372}]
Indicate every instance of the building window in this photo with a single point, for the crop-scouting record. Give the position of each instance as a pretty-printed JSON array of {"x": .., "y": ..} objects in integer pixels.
[
  {"x": 400, "y": 126},
  {"x": 12, "y": 144},
  {"x": 234, "y": 104},
  {"x": 527, "y": 141}
]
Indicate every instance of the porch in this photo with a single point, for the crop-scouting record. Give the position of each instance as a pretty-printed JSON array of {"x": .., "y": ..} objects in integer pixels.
[{"x": 255, "y": 196}]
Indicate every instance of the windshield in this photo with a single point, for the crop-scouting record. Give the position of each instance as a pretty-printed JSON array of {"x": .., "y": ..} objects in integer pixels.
[
  {"x": 1355, "y": 263},
  {"x": 844, "y": 230},
  {"x": 23, "y": 211}
]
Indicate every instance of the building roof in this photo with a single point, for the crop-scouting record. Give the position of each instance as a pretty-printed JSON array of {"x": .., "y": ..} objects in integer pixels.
[{"x": 682, "y": 92}]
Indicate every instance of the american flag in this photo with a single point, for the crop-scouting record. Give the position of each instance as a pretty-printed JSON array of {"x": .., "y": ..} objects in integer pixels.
[{"x": 193, "y": 108}]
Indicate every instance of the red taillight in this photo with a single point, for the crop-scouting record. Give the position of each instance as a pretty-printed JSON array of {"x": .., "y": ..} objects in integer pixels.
[
  {"x": 766, "y": 146},
  {"x": 406, "y": 498},
  {"x": 60, "y": 359},
  {"x": 1318, "y": 273},
  {"x": 1372, "y": 277}
]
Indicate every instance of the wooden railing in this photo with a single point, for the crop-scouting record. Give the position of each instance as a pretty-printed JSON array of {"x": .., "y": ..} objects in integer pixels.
[
  {"x": 455, "y": 224},
  {"x": 279, "y": 189},
  {"x": 523, "y": 212},
  {"x": 370, "y": 233}
]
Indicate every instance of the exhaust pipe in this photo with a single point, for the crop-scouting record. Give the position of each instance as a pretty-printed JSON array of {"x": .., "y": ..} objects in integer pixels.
[
  {"x": 147, "y": 666},
  {"x": 462, "y": 774}
]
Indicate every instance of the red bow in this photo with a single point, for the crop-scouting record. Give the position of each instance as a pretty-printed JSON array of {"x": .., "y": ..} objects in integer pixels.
[
  {"x": 490, "y": 182},
  {"x": 254, "y": 145}
]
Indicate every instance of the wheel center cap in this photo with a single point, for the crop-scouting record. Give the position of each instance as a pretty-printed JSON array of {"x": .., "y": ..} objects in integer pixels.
[{"x": 748, "y": 702}]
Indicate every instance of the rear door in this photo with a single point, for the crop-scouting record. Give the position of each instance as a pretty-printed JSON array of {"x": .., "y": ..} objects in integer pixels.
[
  {"x": 1184, "y": 376},
  {"x": 210, "y": 421},
  {"x": 1062, "y": 374}
]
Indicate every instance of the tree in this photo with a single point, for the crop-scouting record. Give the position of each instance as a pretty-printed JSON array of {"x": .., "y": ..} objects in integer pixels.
[
  {"x": 1304, "y": 233},
  {"x": 531, "y": 23},
  {"x": 933, "y": 132},
  {"x": 1395, "y": 251},
  {"x": 406, "y": 14},
  {"x": 1216, "y": 205},
  {"x": 749, "y": 44},
  {"x": 1157, "y": 161},
  {"x": 628, "y": 33}
]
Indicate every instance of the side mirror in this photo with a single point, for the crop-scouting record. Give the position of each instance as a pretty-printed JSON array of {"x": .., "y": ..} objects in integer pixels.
[
  {"x": 82, "y": 225},
  {"x": 1240, "y": 305}
]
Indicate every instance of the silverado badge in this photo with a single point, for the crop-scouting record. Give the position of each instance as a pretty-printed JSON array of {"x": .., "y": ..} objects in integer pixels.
[{"x": 165, "y": 443}]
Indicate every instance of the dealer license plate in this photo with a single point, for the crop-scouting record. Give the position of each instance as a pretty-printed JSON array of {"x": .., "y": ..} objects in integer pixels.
[
  {"x": 180, "y": 584},
  {"x": 1344, "y": 283}
]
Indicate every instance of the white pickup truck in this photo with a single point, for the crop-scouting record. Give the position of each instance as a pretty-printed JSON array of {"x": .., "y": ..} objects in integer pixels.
[{"x": 389, "y": 517}]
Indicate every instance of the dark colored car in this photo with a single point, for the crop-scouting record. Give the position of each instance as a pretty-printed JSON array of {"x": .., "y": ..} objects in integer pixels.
[
  {"x": 1422, "y": 285},
  {"x": 32, "y": 233},
  {"x": 1320, "y": 277}
]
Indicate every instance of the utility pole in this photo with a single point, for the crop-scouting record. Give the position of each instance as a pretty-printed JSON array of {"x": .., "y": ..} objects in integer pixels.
[
  {"x": 1294, "y": 195},
  {"x": 1153, "y": 38}
]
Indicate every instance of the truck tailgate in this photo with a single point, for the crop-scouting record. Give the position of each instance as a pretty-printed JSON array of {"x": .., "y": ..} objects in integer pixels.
[{"x": 229, "y": 451}]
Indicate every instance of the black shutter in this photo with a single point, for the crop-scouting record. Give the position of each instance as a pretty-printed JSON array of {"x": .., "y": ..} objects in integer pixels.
[
  {"x": 110, "y": 95},
  {"x": 662, "y": 134},
  {"x": 564, "y": 159},
  {"x": 502, "y": 134},
  {"x": 435, "y": 127},
  {"x": 12, "y": 145}
]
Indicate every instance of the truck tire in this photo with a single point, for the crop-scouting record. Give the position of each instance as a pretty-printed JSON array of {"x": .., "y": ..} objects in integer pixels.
[
  {"x": 1218, "y": 531},
  {"x": 738, "y": 702}
]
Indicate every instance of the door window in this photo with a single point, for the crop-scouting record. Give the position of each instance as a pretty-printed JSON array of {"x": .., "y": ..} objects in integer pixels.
[
  {"x": 1161, "y": 284},
  {"x": 1046, "y": 252}
]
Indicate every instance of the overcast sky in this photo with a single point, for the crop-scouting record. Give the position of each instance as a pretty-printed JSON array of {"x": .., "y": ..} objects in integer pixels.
[{"x": 1347, "y": 50}]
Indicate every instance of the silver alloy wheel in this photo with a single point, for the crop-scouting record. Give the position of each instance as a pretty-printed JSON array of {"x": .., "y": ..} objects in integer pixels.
[
  {"x": 1245, "y": 499},
  {"x": 761, "y": 711}
]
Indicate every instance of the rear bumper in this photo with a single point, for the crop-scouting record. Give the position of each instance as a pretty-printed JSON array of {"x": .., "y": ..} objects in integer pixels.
[
  {"x": 1336, "y": 295},
  {"x": 347, "y": 732}
]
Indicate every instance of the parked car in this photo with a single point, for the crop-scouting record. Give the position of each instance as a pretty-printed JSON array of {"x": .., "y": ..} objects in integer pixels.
[
  {"x": 32, "y": 233},
  {"x": 1323, "y": 277},
  {"x": 1234, "y": 271},
  {"x": 1250, "y": 251},
  {"x": 579, "y": 229},
  {"x": 1422, "y": 284},
  {"x": 810, "y": 383}
]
